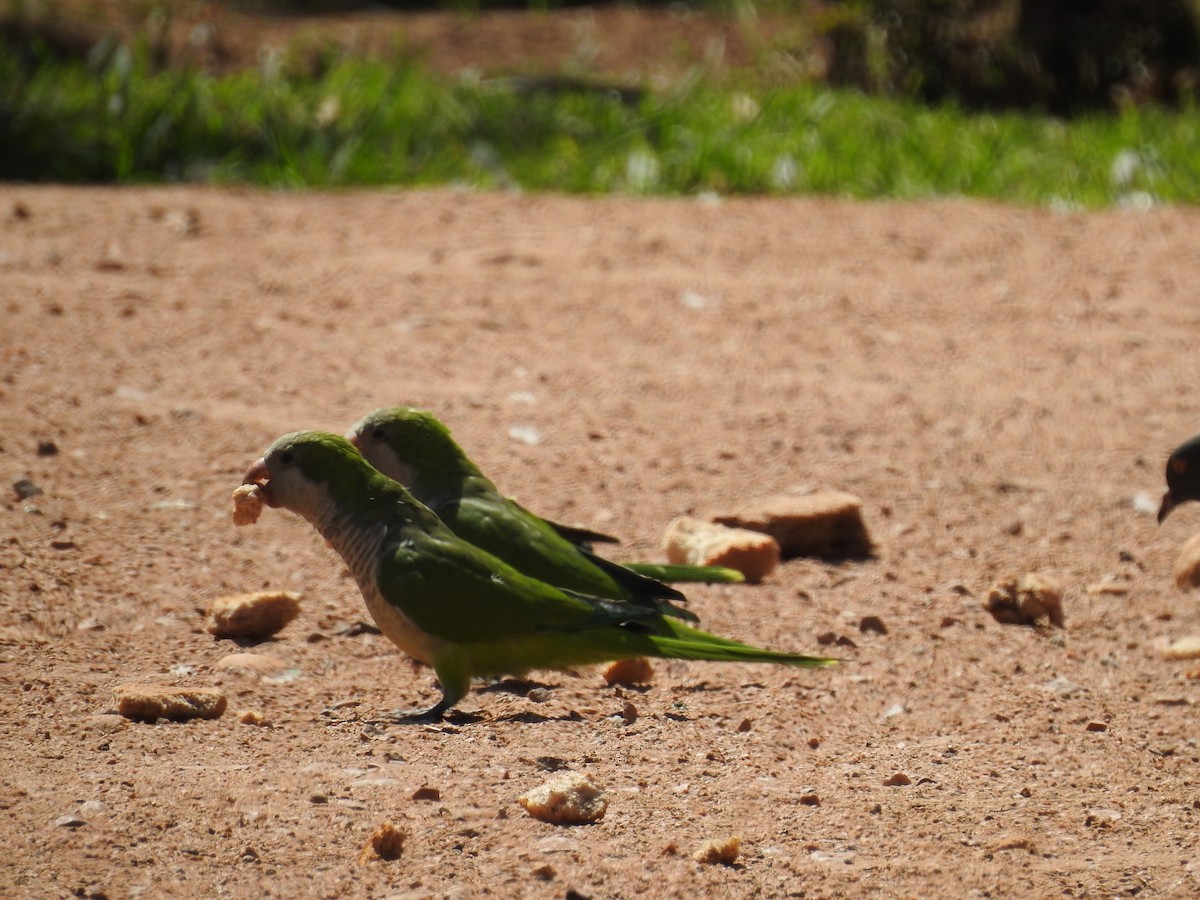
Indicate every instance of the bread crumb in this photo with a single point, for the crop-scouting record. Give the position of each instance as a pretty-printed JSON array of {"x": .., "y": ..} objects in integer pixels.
[
  {"x": 826, "y": 524},
  {"x": 148, "y": 702},
  {"x": 1187, "y": 565},
  {"x": 255, "y": 615},
  {"x": 1025, "y": 600},
  {"x": 386, "y": 842},
  {"x": 567, "y": 799},
  {"x": 1184, "y": 648},
  {"x": 636, "y": 670},
  {"x": 247, "y": 504},
  {"x": 719, "y": 852},
  {"x": 694, "y": 542}
]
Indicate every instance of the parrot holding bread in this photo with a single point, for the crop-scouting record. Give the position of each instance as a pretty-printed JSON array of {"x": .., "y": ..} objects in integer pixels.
[{"x": 451, "y": 604}]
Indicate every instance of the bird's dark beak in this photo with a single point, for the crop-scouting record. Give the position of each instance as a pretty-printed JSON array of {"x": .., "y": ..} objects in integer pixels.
[
  {"x": 258, "y": 474},
  {"x": 1168, "y": 504}
]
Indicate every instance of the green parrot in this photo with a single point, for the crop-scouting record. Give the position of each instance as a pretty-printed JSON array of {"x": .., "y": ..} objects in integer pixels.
[
  {"x": 451, "y": 604},
  {"x": 415, "y": 448}
]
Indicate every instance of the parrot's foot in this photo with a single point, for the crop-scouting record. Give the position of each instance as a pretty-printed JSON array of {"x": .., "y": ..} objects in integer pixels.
[
  {"x": 435, "y": 713},
  {"x": 439, "y": 712}
]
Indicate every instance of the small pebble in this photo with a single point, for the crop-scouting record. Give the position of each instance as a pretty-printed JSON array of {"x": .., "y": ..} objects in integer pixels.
[{"x": 24, "y": 489}]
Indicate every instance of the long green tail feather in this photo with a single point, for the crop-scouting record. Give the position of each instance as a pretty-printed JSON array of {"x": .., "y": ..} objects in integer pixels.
[
  {"x": 673, "y": 574},
  {"x": 704, "y": 646}
]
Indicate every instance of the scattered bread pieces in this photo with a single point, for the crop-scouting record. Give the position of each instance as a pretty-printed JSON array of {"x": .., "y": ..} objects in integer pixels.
[
  {"x": 148, "y": 702},
  {"x": 1187, "y": 565},
  {"x": 636, "y": 670},
  {"x": 256, "y": 615},
  {"x": 828, "y": 524},
  {"x": 247, "y": 504},
  {"x": 694, "y": 542},
  {"x": 1026, "y": 600},
  {"x": 720, "y": 852},
  {"x": 386, "y": 842},
  {"x": 566, "y": 799},
  {"x": 1184, "y": 648}
]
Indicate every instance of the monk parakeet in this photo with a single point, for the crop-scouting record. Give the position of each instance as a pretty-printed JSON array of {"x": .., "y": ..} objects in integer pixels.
[
  {"x": 415, "y": 448},
  {"x": 451, "y": 604},
  {"x": 1183, "y": 477}
]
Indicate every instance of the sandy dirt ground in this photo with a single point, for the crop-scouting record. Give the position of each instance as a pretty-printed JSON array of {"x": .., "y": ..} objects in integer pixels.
[{"x": 1000, "y": 386}]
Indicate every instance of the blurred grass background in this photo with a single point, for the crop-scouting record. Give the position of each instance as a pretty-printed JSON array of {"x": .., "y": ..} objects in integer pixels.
[{"x": 1073, "y": 104}]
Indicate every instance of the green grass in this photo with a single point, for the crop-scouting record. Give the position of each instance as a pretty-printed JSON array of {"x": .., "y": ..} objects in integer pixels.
[{"x": 367, "y": 122}]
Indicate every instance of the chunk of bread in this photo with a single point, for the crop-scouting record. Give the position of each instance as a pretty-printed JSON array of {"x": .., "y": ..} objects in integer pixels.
[
  {"x": 694, "y": 542},
  {"x": 566, "y": 799},
  {"x": 1026, "y": 600},
  {"x": 826, "y": 524},
  {"x": 255, "y": 615},
  {"x": 1187, "y": 565},
  {"x": 147, "y": 702},
  {"x": 247, "y": 504}
]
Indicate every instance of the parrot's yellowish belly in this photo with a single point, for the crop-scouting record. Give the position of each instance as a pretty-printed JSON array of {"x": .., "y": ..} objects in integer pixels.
[{"x": 400, "y": 629}]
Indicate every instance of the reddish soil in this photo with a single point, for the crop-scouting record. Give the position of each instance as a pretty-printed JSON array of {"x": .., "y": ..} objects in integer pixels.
[{"x": 1000, "y": 386}]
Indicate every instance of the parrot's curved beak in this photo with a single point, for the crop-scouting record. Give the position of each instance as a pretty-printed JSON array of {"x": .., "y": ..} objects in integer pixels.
[
  {"x": 352, "y": 437},
  {"x": 1168, "y": 504},
  {"x": 259, "y": 475}
]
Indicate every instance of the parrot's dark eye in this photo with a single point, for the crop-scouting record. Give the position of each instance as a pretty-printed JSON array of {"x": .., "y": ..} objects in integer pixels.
[
  {"x": 287, "y": 457},
  {"x": 377, "y": 433}
]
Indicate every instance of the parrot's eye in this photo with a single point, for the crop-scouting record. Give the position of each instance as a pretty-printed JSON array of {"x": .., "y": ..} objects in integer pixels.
[
  {"x": 377, "y": 433},
  {"x": 287, "y": 457}
]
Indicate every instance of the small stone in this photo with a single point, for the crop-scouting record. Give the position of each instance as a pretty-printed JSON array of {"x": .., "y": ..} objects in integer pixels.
[
  {"x": 544, "y": 872},
  {"x": 1096, "y": 726},
  {"x": 566, "y": 799},
  {"x": 537, "y": 695},
  {"x": 1010, "y": 842},
  {"x": 108, "y": 723},
  {"x": 256, "y": 615},
  {"x": 722, "y": 852},
  {"x": 253, "y": 717},
  {"x": 69, "y": 822},
  {"x": 628, "y": 672},
  {"x": 897, "y": 780},
  {"x": 872, "y": 624},
  {"x": 744, "y": 726},
  {"x": 1064, "y": 687},
  {"x": 385, "y": 843},
  {"x": 629, "y": 713},
  {"x": 427, "y": 793},
  {"x": 47, "y": 448},
  {"x": 250, "y": 664},
  {"x": 148, "y": 702},
  {"x": 24, "y": 489},
  {"x": 810, "y": 800}
]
